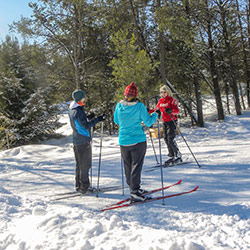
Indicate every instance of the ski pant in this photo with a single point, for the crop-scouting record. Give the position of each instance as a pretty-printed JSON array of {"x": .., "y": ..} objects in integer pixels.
[
  {"x": 83, "y": 164},
  {"x": 133, "y": 157},
  {"x": 169, "y": 129}
]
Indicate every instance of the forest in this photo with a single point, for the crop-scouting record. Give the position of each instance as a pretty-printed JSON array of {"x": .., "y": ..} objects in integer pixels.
[{"x": 196, "y": 47}]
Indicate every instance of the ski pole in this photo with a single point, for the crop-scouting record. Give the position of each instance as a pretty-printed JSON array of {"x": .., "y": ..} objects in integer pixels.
[
  {"x": 122, "y": 176},
  {"x": 186, "y": 143},
  {"x": 91, "y": 172},
  {"x": 159, "y": 137},
  {"x": 99, "y": 166},
  {"x": 153, "y": 146}
]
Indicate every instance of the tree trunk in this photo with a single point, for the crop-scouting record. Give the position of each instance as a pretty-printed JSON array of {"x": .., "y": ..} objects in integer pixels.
[
  {"x": 227, "y": 97},
  {"x": 164, "y": 75},
  {"x": 139, "y": 31},
  {"x": 242, "y": 96},
  {"x": 247, "y": 70},
  {"x": 213, "y": 71},
  {"x": 200, "y": 121},
  {"x": 77, "y": 45},
  {"x": 248, "y": 76},
  {"x": 161, "y": 51},
  {"x": 162, "y": 58},
  {"x": 233, "y": 82},
  {"x": 198, "y": 98}
]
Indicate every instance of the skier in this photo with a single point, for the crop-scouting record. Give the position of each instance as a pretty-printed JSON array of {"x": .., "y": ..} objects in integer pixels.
[
  {"x": 81, "y": 124},
  {"x": 129, "y": 114},
  {"x": 168, "y": 106}
]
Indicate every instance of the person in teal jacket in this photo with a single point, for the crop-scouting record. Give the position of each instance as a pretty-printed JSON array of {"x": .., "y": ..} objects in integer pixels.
[{"x": 129, "y": 115}]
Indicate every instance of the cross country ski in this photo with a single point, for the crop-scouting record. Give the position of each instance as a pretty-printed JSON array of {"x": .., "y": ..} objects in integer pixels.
[
  {"x": 127, "y": 204},
  {"x": 148, "y": 193},
  {"x": 62, "y": 196},
  {"x": 153, "y": 168}
]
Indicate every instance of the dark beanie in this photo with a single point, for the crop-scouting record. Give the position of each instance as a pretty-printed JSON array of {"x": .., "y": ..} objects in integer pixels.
[{"x": 78, "y": 95}]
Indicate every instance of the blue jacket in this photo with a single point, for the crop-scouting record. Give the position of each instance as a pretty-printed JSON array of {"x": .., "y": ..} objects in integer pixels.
[
  {"x": 129, "y": 115},
  {"x": 80, "y": 124}
]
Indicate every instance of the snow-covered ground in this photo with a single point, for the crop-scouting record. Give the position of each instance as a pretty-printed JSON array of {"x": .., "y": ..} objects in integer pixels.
[{"x": 215, "y": 217}]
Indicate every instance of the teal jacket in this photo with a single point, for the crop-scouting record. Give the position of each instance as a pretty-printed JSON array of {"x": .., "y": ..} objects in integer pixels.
[{"x": 129, "y": 115}]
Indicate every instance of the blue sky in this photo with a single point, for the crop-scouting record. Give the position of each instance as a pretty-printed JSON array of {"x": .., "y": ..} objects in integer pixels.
[{"x": 12, "y": 10}]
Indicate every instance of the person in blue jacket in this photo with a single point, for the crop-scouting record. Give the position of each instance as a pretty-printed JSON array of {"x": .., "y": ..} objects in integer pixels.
[
  {"x": 129, "y": 114},
  {"x": 81, "y": 124}
]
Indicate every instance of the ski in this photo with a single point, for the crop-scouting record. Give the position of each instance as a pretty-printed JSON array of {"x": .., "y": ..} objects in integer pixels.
[
  {"x": 77, "y": 194},
  {"x": 176, "y": 164},
  {"x": 149, "y": 200},
  {"x": 111, "y": 188},
  {"x": 69, "y": 196},
  {"x": 166, "y": 166},
  {"x": 148, "y": 193},
  {"x": 61, "y": 194}
]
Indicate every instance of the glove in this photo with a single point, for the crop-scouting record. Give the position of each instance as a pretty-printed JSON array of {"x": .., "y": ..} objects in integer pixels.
[
  {"x": 168, "y": 110},
  {"x": 158, "y": 113},
  {"x": 102, "y": 117},
  {"x": 91, "y": 116}
]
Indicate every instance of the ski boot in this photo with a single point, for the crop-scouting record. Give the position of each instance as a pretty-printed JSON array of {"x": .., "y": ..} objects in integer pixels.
[
  {"x": 138, "y": 196},
  {"x": 169, "y": 161}
]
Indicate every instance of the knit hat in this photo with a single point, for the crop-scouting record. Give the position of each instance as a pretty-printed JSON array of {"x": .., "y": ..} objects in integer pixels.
[
  {"x": 78, "y": 94},
  {"x": 131, "y": 90}
]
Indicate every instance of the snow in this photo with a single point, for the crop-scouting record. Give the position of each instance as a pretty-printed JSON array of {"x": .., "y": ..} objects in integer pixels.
[{"x": 215, "y": 217}]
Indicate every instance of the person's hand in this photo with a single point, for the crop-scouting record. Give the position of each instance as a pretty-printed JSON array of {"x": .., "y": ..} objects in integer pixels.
[
  {"x": 91, "y": 116},
  {"x": 158, "y": 113},
  {"x": 168, "y": 110},
  {"x": 102, "y": 117}
]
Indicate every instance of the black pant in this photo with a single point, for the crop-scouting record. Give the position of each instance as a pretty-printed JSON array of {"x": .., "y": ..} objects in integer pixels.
[
  {"x": 133, "y": 157},
  {"x": 83, "y": 164},
  {"x": 169, "y": 129}
]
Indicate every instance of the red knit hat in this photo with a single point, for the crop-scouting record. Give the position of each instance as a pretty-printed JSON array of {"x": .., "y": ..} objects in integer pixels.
[{"x": 131, "y": 90}]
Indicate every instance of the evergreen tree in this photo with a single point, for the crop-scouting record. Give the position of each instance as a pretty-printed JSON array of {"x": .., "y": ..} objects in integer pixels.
[
  {"x": 131, "y": 64},
  {"x": 26, "y": 112}
]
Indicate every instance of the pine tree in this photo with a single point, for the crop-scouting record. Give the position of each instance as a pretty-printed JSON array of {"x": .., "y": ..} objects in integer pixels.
[
  {"x": 25, "y": 110},
  {"x": 131, "y": 64}
]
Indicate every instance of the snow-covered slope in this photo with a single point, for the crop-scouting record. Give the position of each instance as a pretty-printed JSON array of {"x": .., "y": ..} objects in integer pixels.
[{"x": 215, "y": 217}]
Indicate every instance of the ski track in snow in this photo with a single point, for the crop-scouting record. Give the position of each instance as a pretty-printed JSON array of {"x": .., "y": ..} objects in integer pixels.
[{"x": 215, "y": 217}]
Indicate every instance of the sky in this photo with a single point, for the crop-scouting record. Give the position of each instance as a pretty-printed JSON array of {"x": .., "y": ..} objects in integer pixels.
[{"x": 10, "y": 11}]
